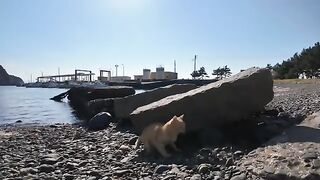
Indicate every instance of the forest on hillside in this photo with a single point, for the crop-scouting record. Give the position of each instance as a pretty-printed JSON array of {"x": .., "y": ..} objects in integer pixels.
[{"x": 307, "y": 62}]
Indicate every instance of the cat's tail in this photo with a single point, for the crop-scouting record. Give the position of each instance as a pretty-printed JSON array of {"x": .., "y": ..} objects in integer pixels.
[{"x": 138, "y": 142}]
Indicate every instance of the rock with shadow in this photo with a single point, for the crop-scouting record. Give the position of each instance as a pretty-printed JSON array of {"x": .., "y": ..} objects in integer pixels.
[
  {"x": 99, "y": 121},
  {"x": 294, "y": 154}
]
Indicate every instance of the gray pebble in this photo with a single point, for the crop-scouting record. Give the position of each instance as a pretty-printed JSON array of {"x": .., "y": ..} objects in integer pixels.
[{"x": 161, "y": 168}]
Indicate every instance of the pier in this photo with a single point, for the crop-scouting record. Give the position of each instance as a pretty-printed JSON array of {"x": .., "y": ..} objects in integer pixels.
[{"x": 79, "y": 75}]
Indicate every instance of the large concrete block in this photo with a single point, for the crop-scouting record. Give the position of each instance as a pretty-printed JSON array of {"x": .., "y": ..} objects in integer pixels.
[
  {"x": 124, "y": 106},
  {"x": 228, "y": 100}
]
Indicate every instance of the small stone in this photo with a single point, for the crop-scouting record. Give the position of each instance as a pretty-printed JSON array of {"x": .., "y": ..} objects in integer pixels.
[
  {"x": 120, "y": 173},
  {"x": 204, "y": 168},
  {"x": 125, "y": 148},
  {"x": 146, "y": 178},
  {"x": 58, "y": 171},
  {"x": 25, "y": 171},
  {"x": 229, "y": 162},
  {"x": 83, "y": 163},
  {"x": 238, "y": 153},
  {"x": 132, "y": 141},
  {"x": 46, "y": 168},
  {"x": 216, "y": 173},
  {"x": 19, "y": 121},
  {"x": 170, "y": 177},
  {"x": 126, "y": 159},
  {"x": 316, "y": 163},
  {"x": 161, "y": 168},
  {"x": 68, "y": 176},
  {"x": 95, "y": 173},
  {"x": 31, "y": 176},
  {"x": 196, "y": 177},
  {"x": 92, "y": 178},
  {"x": 71, "y": 166},
  {"x": 50, "y": 161},
  {"x": 310, "y": 155},
  {"x": 13, "y": 171},
  {"x": 268, "y": 170},
  {"x": 242, "y": 176},
  {"x": 106, "y": 178}
]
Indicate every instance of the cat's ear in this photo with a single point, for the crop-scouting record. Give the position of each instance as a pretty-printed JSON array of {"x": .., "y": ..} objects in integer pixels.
[{"x": 181, "y": 117}]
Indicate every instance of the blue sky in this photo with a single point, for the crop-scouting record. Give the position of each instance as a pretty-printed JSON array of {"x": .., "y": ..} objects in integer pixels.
[{"x": 41, "y": 35}]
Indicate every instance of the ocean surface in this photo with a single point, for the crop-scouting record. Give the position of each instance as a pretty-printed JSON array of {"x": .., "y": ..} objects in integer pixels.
[{"x": 33, "y": 105}]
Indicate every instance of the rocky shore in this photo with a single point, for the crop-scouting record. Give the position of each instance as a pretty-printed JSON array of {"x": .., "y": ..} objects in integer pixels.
[
  {"x": 71, "y": 152},
  {"x": 296, "y": 100},
  {"x": 65, "y": 151}
]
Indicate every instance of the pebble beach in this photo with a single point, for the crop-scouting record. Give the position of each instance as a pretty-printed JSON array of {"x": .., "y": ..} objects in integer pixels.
[{"x": 65, "y": 151}]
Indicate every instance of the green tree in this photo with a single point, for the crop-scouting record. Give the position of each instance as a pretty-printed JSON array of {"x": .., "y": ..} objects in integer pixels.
[
  {"x": 201, "y": 73},
  {"x": 269, "y": 66},
  {"x": 308, "y": 62},
  {"x": 195, "y": 74},
  {"x": 222, "y": 72}
]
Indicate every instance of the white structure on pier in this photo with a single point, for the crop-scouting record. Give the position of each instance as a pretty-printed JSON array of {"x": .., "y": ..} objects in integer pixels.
[{"x": 160, "y": 74}]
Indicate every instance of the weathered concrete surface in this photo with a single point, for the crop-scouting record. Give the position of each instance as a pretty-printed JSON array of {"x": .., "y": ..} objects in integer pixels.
[
  {"x": 227, "y": 100},
  {"x": 124, "y": 106},
  {"x": 80, "y": 97}
]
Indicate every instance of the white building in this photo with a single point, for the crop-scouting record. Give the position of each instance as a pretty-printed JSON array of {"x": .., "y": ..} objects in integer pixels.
[
  {"x": 146, "y": 74},
  {"x": 160, "y": 74}
]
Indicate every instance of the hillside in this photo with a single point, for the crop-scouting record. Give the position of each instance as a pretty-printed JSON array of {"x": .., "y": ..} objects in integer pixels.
[{"x": 6, "y": 79}]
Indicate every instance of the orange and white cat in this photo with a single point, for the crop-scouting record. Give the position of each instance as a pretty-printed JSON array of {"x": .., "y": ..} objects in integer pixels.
[{"x": 159, "y": 135}]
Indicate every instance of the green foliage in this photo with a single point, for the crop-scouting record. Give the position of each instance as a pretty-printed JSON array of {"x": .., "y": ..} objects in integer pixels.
[
  {"x": 195, "y": 74},
  {"x": 222, "y": 72},
  {"x": 308, "y": 62},
  {"x": 201, "y": 73},
  {"x": 269, "y": 66}
]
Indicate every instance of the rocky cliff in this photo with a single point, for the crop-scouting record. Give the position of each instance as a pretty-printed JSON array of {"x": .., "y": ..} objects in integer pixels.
[{"x": 6, "y": 79}]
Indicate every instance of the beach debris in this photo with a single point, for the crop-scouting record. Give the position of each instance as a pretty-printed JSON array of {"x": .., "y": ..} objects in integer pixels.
[{"x": 61, "y": 96}]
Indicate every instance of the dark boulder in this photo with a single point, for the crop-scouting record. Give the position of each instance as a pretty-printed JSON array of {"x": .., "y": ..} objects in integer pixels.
[{"x": 99, "y": 121}]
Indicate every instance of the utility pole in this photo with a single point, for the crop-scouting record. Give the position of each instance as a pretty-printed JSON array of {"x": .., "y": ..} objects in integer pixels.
[
  {"x": 195, "y": 63},
  {"x": 116, "y": 69},
  {"x": 31, "y": 78},
  {"x": 122, "y": 69},
  {"x": 59, "y": 73},
  {"x": 175, "y": 70}
]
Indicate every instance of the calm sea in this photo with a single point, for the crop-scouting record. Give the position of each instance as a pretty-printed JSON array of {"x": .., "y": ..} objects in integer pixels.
[{"x": 32, "y": 105}]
